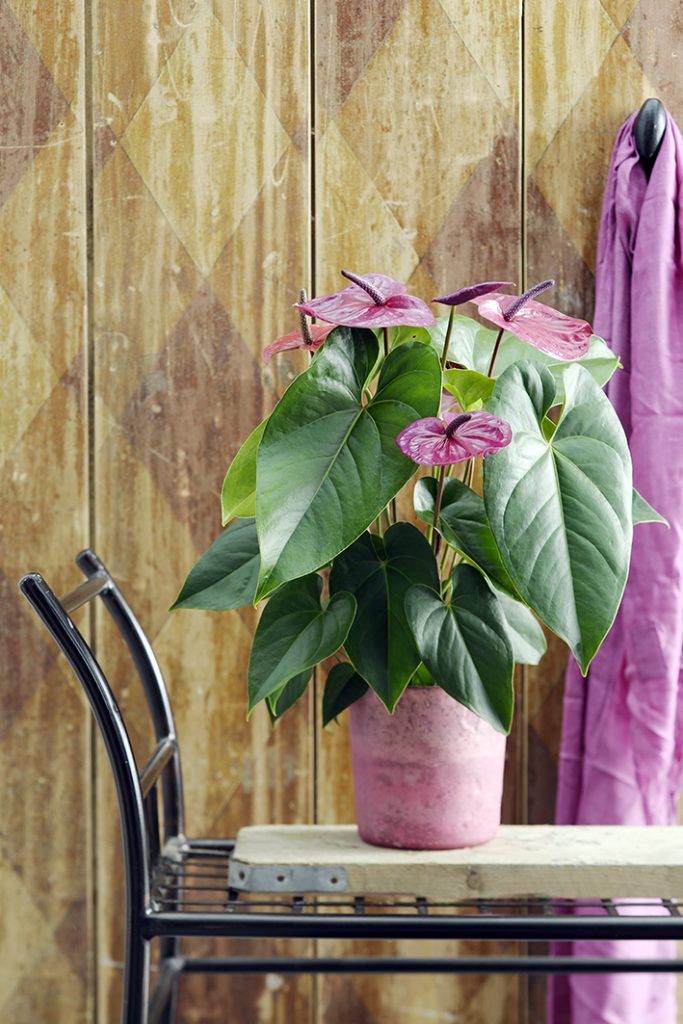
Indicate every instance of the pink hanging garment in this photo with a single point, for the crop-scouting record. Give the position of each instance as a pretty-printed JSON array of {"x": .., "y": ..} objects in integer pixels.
[{"x": 620, "y": 758}]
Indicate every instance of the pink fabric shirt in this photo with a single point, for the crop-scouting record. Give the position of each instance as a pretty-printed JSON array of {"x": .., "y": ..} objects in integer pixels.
[{"x": 620, "y": 758}]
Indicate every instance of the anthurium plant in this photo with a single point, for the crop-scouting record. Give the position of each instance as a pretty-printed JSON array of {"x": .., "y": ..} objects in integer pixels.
[{"x": 454, "y": 597}]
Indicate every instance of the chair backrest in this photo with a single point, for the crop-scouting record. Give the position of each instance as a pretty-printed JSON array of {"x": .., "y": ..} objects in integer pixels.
[{"x": 136, "y": 790}]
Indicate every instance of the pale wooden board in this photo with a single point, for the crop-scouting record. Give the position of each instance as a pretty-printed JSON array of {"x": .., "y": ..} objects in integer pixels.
[{"x": 564, "y": 861}]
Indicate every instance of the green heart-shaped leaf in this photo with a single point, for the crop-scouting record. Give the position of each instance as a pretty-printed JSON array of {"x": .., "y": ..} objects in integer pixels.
[
  {"x": 464, "y": 525},
  {"x": 379, "y": 572},
  {"x": 465, "y": 645},
  {"x": 238, "y": 494},
  {"x": 643, "y": 512},
  {"x": 328, "y": 462},
  {"x": 343, "y": 688},
  {"x": 226, "y": 574},
  {"x": 469, "y": 388},
  {"x": 295, "y": 633},
  {"x": 560, "y": 509},
  {"x": 400, "y": 335},
  {"x": 526, "y": 636},
  {"x": 286, "y": 696},
  {"x": 472, "y": 345}
]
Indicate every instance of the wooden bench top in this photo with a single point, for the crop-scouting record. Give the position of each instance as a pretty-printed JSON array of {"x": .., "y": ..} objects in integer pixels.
[{"x": 572, "y": 862}]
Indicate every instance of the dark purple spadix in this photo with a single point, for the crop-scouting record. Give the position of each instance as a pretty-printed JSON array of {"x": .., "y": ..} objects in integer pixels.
[
  {"x": 305, "y": 329},
  {"x": 374, "y": 294},
  {"x": 456, "y": 422},
  {"x": 510, "y": 313}
]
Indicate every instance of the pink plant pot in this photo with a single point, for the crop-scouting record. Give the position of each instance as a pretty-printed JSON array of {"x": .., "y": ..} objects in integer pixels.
[{"x": 428, "y": 777}]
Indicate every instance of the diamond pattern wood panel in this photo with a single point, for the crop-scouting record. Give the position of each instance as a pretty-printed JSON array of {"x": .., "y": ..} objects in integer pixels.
[
  {"x": 202, "y": 199},
  {"x": 46, "y": 936},
  {"x": 211, "y": 209}
]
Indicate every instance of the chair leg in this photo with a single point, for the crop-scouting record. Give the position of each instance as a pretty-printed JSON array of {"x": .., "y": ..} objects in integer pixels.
[
  {"x": 169, "y": 950},
  {"x": 136, "y": 979}
]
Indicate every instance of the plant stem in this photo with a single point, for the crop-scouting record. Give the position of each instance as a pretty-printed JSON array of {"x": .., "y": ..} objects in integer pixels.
[
  {"x": 446, "y": 341},
  {"x": 386, "y": 342},
  {"x": 437, "y": 509},
  {"x": 387, "y": 520},
  {"x": 442, "y": 563},
  {"x": 495, "y": 351},
  {"x": 393, "y": 510},
  {"x": 469, "y": 473}
]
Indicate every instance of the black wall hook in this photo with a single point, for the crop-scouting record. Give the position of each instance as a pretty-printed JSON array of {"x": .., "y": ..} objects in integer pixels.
[{"x": 648, "y": 131}]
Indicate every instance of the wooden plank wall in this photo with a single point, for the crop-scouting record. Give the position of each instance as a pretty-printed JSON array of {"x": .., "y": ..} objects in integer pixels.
[
  {"x": 45, "y": 837},
  {"x": 234, "y": 152}
]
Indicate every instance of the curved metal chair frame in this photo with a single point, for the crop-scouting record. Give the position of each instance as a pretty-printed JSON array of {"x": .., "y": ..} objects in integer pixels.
[{"x": 162, "y": 866}]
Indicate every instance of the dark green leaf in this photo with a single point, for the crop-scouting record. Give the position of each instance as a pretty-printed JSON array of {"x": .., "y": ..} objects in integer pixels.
[
  {"x": 282, "y": 699},
  {"x": 643, "y": 512},
  {"x": 421, "y": 676},
  {"x": 464, "y": 525},
  {"x": 465, "y": 645},
  {"x": 295, "y": 633},
  {"x": 343, "y": 688},
  {"x": 225, "y": 576},
  {"x": 560, "y": 510},
  {"x": 328, "y": 462},
  {"x": 238, "y": 494},
  {"x": 526, "y": 636},
  {"x": 378, "y": 572}
]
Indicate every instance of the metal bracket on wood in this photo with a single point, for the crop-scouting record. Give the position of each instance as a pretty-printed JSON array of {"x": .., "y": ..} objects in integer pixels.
[{"x": 271, "y": 878}]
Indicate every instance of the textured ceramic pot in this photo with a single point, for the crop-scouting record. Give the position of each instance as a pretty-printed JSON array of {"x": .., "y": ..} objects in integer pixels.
[{"x": 428, "y": 777}]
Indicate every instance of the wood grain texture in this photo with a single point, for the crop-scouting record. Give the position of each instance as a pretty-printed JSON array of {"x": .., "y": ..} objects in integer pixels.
[
  {"x": 201, "y": 245},
  {"x": 201, "y": 130},
  {"x": 407, "y": 185},
  {"x": 45, "y": 849},
  {"x": 571, "y": 861}
]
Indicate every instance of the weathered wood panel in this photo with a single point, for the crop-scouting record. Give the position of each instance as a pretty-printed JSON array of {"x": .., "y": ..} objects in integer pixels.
[
  {"x": 570, "y": 861},
  {"x": 201, "y": 245},
  {"x": 45, "y": 839},
  {"x": 416, "y": 176},
  {"x": 201, "y": 126}
]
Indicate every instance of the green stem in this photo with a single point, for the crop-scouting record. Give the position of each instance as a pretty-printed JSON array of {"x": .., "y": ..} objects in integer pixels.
[
  {"x": 387, "y": 520},
  {"x": 446, "y": 341},
  {"x": 442, "y": 563},
  {"x": 495, "y": 351},
  {"x": 386, "y": 342},
  {"x": 394, "y": 516},
  {"x": 437, "y": 509},
  {"x": 469, "y": 473}
]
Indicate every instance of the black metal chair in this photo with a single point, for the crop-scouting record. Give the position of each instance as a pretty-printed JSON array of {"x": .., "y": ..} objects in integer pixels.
[{"x": 178, "y": 887}]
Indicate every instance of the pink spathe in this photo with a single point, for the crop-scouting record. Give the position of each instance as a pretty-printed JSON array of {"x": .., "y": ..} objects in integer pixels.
[
  {"x": 620, "y": 759},
  {"x": 428, "y": 777}
]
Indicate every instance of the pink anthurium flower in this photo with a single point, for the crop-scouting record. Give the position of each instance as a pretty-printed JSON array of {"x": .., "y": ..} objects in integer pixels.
[
  {"x": 541, "y": 326},
  {"x": 435, "y": 442},
  {"x": 373, "y": 300},
  {"x": 449, "y": 404},
  {"x": 473, "y": 292},
  {"x": 295, "y": 339}
]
